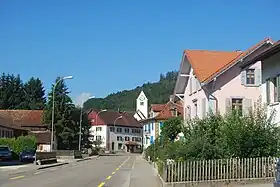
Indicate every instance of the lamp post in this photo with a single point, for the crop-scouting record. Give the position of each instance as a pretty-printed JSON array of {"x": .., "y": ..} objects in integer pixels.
[
  {"x": 61, "y": 79},
  {"x": 81, "y": 120},
  {"x": 120, "y": 117},
  {"x": 104, "y": 110}
]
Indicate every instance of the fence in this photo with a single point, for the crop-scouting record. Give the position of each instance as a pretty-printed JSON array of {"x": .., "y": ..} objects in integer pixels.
[{"x": 218, "y": 170}]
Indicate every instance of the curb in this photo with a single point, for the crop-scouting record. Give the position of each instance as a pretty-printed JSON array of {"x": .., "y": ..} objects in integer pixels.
[
  {"x": 54, "y": 165},
  {"x": 89, "y": 158}
]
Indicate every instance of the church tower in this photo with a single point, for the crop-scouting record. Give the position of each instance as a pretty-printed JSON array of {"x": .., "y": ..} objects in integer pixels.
[{"x": 142, "y": 104}]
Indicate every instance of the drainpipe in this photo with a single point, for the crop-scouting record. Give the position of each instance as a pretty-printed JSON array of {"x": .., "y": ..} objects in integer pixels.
[{"x": 213, "y": 86}]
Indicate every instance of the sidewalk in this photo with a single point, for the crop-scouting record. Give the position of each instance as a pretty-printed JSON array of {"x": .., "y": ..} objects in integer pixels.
[{"x": 143, "y": 174}]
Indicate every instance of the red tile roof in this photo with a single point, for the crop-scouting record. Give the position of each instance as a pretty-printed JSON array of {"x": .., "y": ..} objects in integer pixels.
[
  {"x": 109, "y": 117},
  {"x": 22, "y": 118},
  {"x": 166, "y": 112},
  {"x": 157, "y": 107},
  {"x": 206, "y": 64}
]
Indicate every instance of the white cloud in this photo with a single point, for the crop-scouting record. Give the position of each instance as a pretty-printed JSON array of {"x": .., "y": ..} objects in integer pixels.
[{"x": 82, "y": 98}]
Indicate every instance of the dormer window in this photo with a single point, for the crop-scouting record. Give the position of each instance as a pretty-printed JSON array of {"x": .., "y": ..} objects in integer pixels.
[{"x": 174, "y": 112}]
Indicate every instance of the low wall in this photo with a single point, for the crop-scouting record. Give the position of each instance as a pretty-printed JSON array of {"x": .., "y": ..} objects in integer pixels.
[
  {"x": 71, "y": 154},
  {"x": 45, "y": 158}
]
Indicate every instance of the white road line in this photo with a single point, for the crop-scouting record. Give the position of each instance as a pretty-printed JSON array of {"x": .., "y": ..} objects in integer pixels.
[
  {"x": 133, "y": 164},
  {"x": 36, "y": 173}
]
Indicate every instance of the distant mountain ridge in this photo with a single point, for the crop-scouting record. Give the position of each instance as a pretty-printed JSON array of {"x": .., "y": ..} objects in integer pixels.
[{"x": 157, "y": 92}]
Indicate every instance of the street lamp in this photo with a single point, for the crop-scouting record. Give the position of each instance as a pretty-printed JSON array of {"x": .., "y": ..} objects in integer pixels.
[
  {"x": 61, "y": 79},
  {"x": 120, "y": 117},
  {"x": 81, "y": 120},
  {"x": 104, "y": 110}
]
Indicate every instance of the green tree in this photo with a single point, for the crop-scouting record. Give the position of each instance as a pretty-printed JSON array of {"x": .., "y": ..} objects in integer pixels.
[
  {"x": 65, "y": 123},
  {"x": 157, "y": 92},
  {"x": 171, "y": 128},
  {"x": 11, "y": 92},
  {"x": 85, "y": 127},
  {"x": 34, "y": 94}
]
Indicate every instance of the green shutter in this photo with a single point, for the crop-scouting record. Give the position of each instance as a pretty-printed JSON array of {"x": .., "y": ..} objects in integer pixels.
[
  {"x": 278, "y": 87},
  {"x": 268, "y": 91},
  {"x": 228, "y": 105}
]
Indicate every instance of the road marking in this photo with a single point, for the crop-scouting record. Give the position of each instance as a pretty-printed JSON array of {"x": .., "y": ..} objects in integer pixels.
[
  {"x": 101, "y": 184},
  {"x": 18, "y": 177},
  {"x": 117, "y": 169},
  {"x": 133, "y": 164},
  {"x": 108, "y": 177},
  {"x": 36, "y": 173},
  {"x": 113, "y": 173}
]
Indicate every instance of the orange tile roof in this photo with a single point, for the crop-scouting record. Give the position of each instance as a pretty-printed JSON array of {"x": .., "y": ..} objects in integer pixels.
[{"x": 206, "y": 64}]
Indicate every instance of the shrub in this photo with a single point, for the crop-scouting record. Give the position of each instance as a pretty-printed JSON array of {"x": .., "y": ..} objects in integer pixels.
[
  {"x": 216, "y": 136},
  {"x": 20, "y": 143}
]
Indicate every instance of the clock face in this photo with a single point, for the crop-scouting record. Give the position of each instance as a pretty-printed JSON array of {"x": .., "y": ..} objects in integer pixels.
[{"x": 141, "y": 98}]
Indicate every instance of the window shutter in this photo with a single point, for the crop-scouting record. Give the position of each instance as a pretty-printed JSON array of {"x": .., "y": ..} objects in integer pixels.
[
  {"x": 203, "y": 104},
  {"x": 246, "y": 106},
  {"x": 243, "y": 77},
  {"x": 278, "y": 88},
  {"x": 268, "y": 91},
  {"x": 212, "y": 105},
  {"x": 228, "y": 105},
  {"x": 258, "y": 77}
]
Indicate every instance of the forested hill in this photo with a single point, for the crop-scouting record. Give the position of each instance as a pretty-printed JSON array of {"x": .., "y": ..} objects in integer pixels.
[{"x": 157, "y": 92}]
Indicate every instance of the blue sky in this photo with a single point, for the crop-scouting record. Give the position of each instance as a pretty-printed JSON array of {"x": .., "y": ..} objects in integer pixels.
[{"x": 109, "y": 46}]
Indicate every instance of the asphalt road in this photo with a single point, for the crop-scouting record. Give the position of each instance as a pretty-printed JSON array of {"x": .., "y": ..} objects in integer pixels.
[{"x": 105, "y": 171}]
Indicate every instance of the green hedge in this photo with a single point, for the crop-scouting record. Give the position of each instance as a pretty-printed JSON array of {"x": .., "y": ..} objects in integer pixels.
[{"x": 20, "y": 143}]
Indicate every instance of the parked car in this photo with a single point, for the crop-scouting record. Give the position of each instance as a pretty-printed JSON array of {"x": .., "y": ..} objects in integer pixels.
[
  {"x": 27, "y": 156},
  {"x": 5, "y": 153}
]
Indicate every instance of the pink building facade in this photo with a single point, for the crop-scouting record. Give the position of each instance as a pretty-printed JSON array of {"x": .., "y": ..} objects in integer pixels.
[{"x": 214, "y": 81}]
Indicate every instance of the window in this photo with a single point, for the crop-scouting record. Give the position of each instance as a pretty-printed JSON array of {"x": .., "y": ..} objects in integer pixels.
[
  {"x": 98, "y": 128},
  {"x": 112, "y": 129},
  {"x": 119, "y": 138},
  {"x": 250, "y": 76},
  {"x": 126, "y": 130},
  {"x": 236, "y": 104},
  {"x": 195, "y": 107},
  {"x": 141, "y": 103},
  {"x": 98, "y": 137},
  {"x": 127, "y": 138},
  {"x": 136, "y": 131},
  {"x": 273, "y": 89},
  {"x": 119, "y": 129},
  {"x": 133, "y": 138}
]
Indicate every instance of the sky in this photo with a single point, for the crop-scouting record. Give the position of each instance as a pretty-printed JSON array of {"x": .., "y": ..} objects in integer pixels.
[{"x": 109, "y": 46}]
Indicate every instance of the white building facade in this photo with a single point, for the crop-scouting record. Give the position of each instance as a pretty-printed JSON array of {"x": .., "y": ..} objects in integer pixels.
[{"x": 117, "y": 131}]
